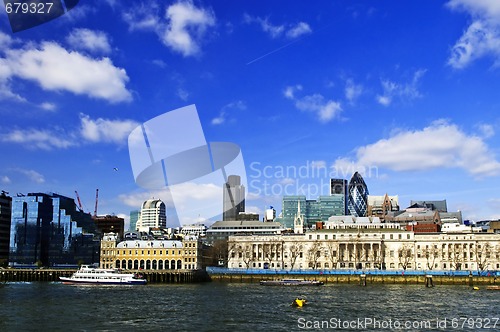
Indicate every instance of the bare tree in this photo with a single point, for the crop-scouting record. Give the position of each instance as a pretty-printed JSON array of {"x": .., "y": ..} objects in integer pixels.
[
  {"x": 245, "y": 252},
  {"x": 294, "y": 250},
  {"x": 269, "y": 252},
  {"x": 483, "y": 253},
  {"x": 314, "y": 253},
  {"x": 456, "y": 256},
  {"x": 333, "y": 252},
  {"x": 221, "y": 252},
  {"x": 405, "y": 254},
  {"x": 431, "y": 254}
]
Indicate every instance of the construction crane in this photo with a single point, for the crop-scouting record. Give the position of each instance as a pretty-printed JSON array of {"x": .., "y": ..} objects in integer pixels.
[
  {"x": 79, "y": 202},
  {"x": 96, "y": 200}
]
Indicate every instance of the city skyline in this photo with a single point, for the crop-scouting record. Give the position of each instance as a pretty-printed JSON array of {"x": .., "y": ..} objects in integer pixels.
[{"x": 403, "y": 93}]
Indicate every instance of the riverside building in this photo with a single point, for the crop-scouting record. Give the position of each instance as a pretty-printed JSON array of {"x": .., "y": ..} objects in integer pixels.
[
  {"x": 146, "y": 255},
  {"x": 48, "y": 230},
  {"x": 366, "y": 249}
]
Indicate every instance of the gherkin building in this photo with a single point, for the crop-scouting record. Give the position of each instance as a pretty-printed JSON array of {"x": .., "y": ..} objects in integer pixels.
[{"x": 357, "y": 201}]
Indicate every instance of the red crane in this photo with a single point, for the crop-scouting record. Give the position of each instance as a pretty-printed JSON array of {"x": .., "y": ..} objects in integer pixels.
[
  {"x": 79, "y": 202},
  {"x": 96, "y": 200}
]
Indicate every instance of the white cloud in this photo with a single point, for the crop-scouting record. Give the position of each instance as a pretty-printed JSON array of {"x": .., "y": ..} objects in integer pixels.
[
  {"x": 298, "y": 30},
  {"x": 486, "y": 130},
  {"x": 440, "y": 145},
  {"x": 275, "y": 31},
  {"x": 325, "y": 110},
  {"x": 5, "y": 180},
  {"x": 186, "y": 27},
  {"x": 183, "y": 94},
  {"x": 105, "y": 130},
  {"x": 90, "y": 131},
  {"x": 55, "y": 69},
  {"x": 482, "y": 37},
  {"x": 403, "y": 91},
  {"x": 39, "y": 139},
  {"x": 352, "y": 90},
  {"x": 89, "y": 40},
  {"x": 48, "y": 106},
  {"x": 182, "y": 28},
  {"x": 31, "y": 174},
  {"x": 226, "y": 110},
  {"x": 143, "y": 16}
]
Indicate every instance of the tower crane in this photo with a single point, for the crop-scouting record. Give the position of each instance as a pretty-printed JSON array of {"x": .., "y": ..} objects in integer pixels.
[{"x": 96, "y": 200}]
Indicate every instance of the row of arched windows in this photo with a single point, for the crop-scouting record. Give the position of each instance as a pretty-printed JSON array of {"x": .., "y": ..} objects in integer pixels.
[{"x": 149, "y": 264}]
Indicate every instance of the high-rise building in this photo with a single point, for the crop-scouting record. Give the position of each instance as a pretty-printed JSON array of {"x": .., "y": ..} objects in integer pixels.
[
  {"x": 153, "y": 215},
  {"x": 47, "y": 229},
  {"x": 312, "y": 210},
  {"x": 110, "y": 224},
  {"x": 357, "y": 202},
  {"x": 134, "y": 217},
  {"x": 338, "y": 188},
  {"x": 5, "y": 215},
  {"x": 233, "y": 198}
]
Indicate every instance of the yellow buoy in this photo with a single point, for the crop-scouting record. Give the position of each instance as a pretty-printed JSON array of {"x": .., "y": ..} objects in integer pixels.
[
  {"x": 475, "y": 288},
  {"x": 299, "y": 302}
]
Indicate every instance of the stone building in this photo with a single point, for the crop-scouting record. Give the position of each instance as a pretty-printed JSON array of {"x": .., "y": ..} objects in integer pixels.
[
  {"x": 151, "y": 254},
  {"x": 366, "y": 249}
]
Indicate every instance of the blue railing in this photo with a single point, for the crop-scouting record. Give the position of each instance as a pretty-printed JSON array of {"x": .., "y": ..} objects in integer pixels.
[{"x": 223, "y": 270}]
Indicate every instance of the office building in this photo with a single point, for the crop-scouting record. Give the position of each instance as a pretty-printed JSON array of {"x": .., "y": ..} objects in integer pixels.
[
  {"x": 153, "y": 215},
  {"x": 357, "y": 203},
  {"x": 110, "y": 224},
  {"x": 5, "y": 215},
  {"x": 233, "y": 198},
  {"x": 134, "y": 217},
  {"x": 47, "y": 230},
  {"x": 313, "y": 210},
  {"x": 338, "y": 188}
]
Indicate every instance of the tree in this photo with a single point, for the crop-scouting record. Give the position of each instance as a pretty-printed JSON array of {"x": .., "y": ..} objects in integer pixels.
[
  {"x": 431, "y": 254},
  {"x": 314, "y": 253},
  {"x": 333, "y": 251},
  {"x": 456, "y": 256},
  {"x": 245, "y": 251},
  {"x": 294, "y": 251},
  {"x": 405, "y": 254},
  {"x": 269, "y": 252},
  {"x": 221, "y": 252},
  {"x": 483, "y": 254}
]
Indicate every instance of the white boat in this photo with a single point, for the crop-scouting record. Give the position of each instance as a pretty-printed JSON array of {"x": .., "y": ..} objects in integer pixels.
[
  {"x": 91, "y": 275},
  {"x": 291, "y": 282}
]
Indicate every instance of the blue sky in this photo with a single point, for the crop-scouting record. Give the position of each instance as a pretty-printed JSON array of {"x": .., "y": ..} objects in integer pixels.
[{"x": 407, "y": 92}]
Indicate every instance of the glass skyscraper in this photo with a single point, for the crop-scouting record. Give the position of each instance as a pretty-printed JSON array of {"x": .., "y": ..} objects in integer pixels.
[
  {"x": 48, "y": 230},
  {"x": 313, "y": 210},
  {"x": 358, "y": 196},
  {"x": 233, "y": 198}
]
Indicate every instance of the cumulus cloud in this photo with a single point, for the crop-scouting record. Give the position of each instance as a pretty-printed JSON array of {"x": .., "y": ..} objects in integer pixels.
[
  {"x": 187, "y": 25},
  {"x": 56, "y": 69},
  {"x": 290, "y": 31},
  {"x": 89, "y": 40},
  {"x": 105, "y": 130},
  {"x": 90, "y": 131},
  {"x": 440, "y": 145},
  {"x": 39, "y": 139},
  {"x": 401, "y": 91},
  {"x": 482, "y": 37},
  {"x": 182, "y": 28},
  {"x": 324, "y": 109}
]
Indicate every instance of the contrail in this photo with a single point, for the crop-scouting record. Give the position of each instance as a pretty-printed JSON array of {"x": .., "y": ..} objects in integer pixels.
[{"x": 274, "y": 51}]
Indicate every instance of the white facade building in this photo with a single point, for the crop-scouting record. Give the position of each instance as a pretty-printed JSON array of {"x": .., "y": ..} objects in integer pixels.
[
  {"x": 389, "y": 249},
  {"x": 153, "y": 215}
]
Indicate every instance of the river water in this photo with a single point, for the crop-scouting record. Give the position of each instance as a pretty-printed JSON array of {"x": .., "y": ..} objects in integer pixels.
[{"x": 43, "y": 306}]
